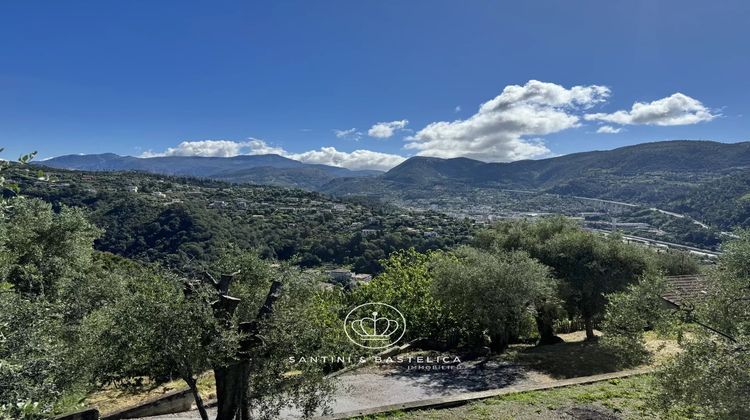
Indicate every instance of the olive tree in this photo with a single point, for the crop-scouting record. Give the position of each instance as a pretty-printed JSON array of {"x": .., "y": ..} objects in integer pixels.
[
  {"x": 629, "y": 313},
  {"x": 588, "y": 266},
  {"x": 280, "y": 313},
  {"x": 42, "y": 253},
  {"x": 490, "y": 293},
  {"x": 531, "y": 237},
  {"x": 156, "y": 331},
  {"x": 591, "y": 267}
]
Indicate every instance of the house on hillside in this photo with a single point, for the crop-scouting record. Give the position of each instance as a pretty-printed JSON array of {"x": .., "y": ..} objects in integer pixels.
[{"x": 684, "y": 292}]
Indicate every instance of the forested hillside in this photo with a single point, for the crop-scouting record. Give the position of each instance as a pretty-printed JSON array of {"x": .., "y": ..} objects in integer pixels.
[{"x": 178, "y": 220}]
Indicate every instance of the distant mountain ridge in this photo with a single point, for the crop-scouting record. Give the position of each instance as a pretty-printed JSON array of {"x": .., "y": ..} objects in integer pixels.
[
  {"x": 678, "y": 156},
  {"x": 654, "y": 174},
  {"x": 649, "y": 173},
  {"x": 258, "y": 169}
]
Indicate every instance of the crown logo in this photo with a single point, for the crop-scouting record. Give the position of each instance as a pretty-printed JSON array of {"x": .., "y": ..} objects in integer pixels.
[
  {"x": 374, "y": 328},
  {"x": 375, "y": 325}
]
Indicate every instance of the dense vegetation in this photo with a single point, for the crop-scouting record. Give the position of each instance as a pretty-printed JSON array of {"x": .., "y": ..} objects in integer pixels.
[
  {"x": 74, "y": 319},
  {"x": 180, "y": 222}
]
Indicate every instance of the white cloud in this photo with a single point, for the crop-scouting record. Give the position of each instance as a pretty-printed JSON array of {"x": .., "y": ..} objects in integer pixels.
[
  {"x": 506, "y": 128},
  {"x": 384, "y": 130},
  {"x": 501, "y": 128},
  {"x": 457, "y": 109},
  {"x": 218, "y": 148},
  {"x": 608, "y": 129},
  {"x": 358, "y": 159},
  {"x": 677, "y": 109},
  {"x": 350, "y": 133},
  {"x": 346, "y": 133},
  {"x": 260, "y": 147}
]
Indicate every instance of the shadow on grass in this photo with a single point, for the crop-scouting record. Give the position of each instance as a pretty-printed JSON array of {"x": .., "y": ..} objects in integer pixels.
[{"x": 569, "y": 360}]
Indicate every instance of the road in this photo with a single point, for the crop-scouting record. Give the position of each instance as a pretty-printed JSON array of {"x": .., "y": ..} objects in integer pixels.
[{"x": 376, "y": 386}]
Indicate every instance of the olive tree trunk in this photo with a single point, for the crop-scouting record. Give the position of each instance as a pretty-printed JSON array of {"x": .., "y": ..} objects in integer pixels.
[{"x": 232, "y": 381}]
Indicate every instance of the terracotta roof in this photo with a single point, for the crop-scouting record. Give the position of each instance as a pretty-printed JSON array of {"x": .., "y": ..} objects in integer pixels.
[{"x": 683, "y": 290}]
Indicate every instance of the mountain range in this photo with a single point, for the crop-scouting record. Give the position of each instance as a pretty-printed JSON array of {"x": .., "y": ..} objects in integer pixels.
[
  {"x": 648, "y": 172},
  {"x": 707, "y": 180},
  {"x": 679, "y": 157},
  {"x": 256, "y": 169}
]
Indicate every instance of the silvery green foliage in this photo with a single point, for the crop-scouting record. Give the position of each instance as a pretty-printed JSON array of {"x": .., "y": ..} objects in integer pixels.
[
  {"x": 39, "y": 252},
  {"x": 629, "y": 313},
  {"x": 33, "y": 367},
  {"x": 155, "y": 330},
  {"x": 304, "y": 323},
  {"x": 491, "y": 293}
]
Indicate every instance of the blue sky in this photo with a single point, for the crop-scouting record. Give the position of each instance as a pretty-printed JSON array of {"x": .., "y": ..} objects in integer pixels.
[{"x": 220, "y": 77}]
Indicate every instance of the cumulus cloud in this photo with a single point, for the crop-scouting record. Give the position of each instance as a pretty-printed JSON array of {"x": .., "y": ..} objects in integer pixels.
[
  {"x": 384, "y": 130},
  {"x": 678, "y": 109},
  {"x": 508, "y": 127},
  {"x": 260, "y": 147},
  {"x": 608, "y": 129},
  {"x": 504, "y": 127},
  {"x": 221, "y": 148},
  {"x": 358, "y": 159},
  {"x": 218, "y": 148}
]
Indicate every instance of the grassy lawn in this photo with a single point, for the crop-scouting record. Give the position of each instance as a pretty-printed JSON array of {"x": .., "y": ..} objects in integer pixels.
[
  {"x": 614, "y": 399},
  {"x": 577, "y": 357}
]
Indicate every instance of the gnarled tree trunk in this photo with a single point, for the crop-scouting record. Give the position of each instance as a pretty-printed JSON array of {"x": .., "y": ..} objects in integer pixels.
[{"x": 232, "y": 381}]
